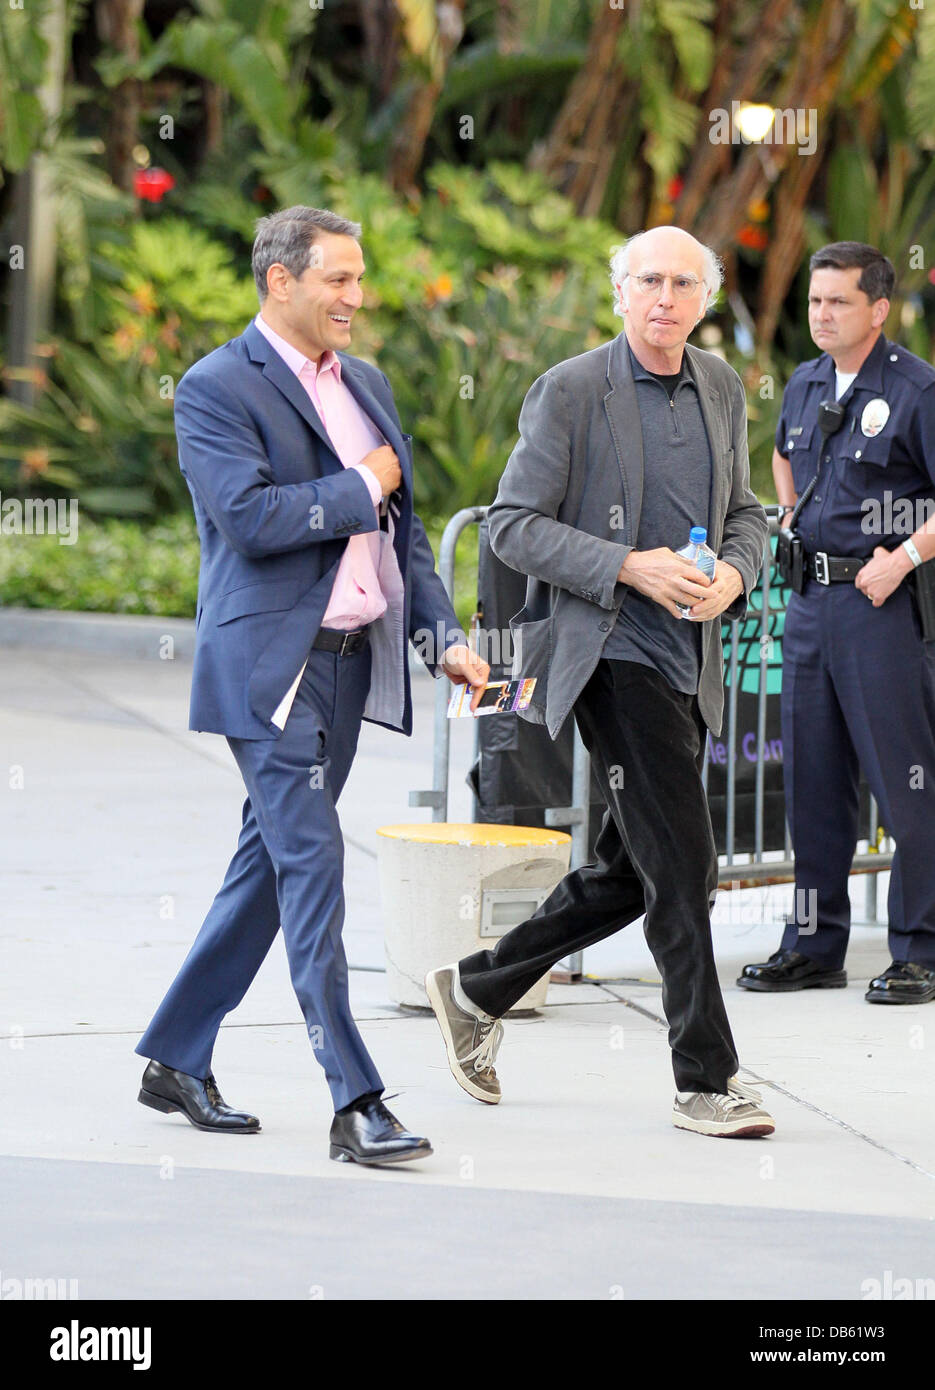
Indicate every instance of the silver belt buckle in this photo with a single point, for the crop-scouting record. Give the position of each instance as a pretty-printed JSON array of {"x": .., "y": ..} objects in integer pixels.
[
  {"x": 343, "y": 649},
  {"x": 822, "y": 573}
]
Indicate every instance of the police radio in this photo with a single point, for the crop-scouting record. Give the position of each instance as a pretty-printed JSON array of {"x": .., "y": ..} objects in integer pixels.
[{"x": 790, "y": 552}]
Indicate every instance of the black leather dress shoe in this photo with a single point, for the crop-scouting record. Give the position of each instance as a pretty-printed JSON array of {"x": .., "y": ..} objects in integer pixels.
[
  {"x": 788, "y": 970},
  {"x": 903, "y": 983},
  {"x": 369, "y": 1133},
  {"x": 199, "y": 1101}
]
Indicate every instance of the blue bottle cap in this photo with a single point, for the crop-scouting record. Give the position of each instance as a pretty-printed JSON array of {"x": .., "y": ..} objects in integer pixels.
[{"x": 698, "y": 535}]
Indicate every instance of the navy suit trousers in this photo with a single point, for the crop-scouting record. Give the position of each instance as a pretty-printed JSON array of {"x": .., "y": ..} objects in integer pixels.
[
  {"x": 858, "y": 691},
  {"x": 288, "y": 870}
]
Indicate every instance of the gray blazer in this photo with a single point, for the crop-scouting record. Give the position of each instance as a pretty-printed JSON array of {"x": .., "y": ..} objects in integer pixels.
[{"x": 567, "y": 514}]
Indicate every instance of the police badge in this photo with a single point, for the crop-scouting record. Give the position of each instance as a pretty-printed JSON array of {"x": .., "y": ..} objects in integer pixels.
[{"x": 874, "y": 417}]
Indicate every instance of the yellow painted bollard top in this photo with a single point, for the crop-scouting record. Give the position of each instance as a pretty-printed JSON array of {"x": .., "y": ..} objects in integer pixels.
[{"x": 453, "y": 833}]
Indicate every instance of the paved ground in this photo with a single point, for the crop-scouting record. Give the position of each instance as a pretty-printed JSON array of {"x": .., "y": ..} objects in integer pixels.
[{"x": 116, "y": 825}]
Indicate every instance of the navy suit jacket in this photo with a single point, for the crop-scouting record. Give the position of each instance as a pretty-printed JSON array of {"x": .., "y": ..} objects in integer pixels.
[{"x": 274, "y": 508}]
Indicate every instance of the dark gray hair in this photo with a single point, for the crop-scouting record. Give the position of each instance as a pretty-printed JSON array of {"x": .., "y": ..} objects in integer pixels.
[
  {"x": 877, "y": 276},
  {"x": 287, "y": 238}
]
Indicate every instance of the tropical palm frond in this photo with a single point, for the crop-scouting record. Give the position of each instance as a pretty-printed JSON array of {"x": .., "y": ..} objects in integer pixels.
[
  {"x": 255, "y": 71},
  {"x": 920, "y": 95},
  {"x": 23, "y": 54},
  {"x": 686, "y": 23}
]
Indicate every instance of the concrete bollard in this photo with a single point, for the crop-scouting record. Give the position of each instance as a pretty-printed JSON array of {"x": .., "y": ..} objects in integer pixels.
[{"x": 449, "y": 890}]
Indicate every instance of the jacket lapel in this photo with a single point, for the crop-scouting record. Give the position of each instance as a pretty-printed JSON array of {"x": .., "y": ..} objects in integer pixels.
[
  {"x": 286, "y": 381},
  {"x": 623, "y": 419},
  {"x": 353, "y": 379},
  {"x": 715, "y": 412}
]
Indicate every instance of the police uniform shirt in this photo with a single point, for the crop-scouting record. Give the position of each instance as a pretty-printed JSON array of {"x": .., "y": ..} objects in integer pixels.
[{"x": 876, "y": 480}]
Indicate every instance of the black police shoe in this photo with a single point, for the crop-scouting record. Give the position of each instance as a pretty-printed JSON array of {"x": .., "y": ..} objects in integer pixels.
[
  {"x": 199, "y": 1101},
  {"x": 788, "y": 970},
  {"x": 903, "y": 983},
  {"x": 369, "y": 1133}
]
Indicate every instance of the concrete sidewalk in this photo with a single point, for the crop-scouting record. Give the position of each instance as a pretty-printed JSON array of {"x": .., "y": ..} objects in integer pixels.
[{"x": 116, "y": 827}]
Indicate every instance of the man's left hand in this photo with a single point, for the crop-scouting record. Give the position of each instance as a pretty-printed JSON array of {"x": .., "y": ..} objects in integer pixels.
[
  {"x": 726, "y": 585},
  {"x": 464, "y": 667},
  {"x": 882, "y": 575}
]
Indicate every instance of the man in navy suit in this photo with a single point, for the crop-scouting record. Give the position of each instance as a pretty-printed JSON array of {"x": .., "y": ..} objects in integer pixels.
[{"x": 315, "y": 572}]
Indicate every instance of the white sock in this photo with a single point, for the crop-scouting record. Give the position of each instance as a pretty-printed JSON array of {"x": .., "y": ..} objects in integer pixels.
[{"x": 463, "y": 1002}]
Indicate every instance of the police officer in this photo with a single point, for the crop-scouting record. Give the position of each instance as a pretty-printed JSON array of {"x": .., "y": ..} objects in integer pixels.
[{"x": 858, "y": 683}]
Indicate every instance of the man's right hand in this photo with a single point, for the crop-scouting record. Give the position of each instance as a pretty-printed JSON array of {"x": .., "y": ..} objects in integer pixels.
[
  {"x": 664, "y": 577},
  {"x": 384, "y": 465}
]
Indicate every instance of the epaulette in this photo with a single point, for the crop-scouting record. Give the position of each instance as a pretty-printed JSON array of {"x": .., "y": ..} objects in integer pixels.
[{"x": 905, "y": 363}]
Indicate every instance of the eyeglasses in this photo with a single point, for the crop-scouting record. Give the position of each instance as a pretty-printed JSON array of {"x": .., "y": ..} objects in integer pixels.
[{"x": 683, "y": 286}]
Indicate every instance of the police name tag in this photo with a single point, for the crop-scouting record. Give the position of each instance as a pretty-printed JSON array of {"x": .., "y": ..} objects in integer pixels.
[{"x": 874, "y": 417}]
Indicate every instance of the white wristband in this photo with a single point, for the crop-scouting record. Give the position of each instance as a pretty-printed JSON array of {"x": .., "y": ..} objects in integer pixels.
[{"x": 912, "y": 552}]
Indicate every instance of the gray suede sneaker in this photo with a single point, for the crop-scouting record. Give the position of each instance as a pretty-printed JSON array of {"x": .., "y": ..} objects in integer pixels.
[
  {"x": 472, "y": 1040},
  {"x": 737, "y": 1115}
]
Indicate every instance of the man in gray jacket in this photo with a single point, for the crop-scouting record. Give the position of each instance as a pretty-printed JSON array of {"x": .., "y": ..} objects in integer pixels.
[{"x": 621, "y": 451}]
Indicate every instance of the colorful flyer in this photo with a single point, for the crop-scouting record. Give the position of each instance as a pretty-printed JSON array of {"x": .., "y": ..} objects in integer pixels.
[{"x": 499, "y": 697}]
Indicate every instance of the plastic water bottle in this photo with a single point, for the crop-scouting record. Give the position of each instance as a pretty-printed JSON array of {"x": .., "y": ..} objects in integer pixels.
[{"x": 700, "y": 554}]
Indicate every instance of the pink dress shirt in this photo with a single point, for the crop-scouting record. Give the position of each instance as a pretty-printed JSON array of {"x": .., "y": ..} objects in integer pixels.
[{"x": 356, "y": 596}]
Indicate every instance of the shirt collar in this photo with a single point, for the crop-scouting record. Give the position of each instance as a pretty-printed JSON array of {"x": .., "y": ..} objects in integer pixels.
[
  {"x": 295, "y": 360},
  {"x": 641, "y": 373},
  {"x": 870, "y": 375},
  {"x": 871, "y": 369}
]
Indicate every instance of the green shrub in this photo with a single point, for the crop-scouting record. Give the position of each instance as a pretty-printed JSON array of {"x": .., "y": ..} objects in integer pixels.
[
  {"x": 120, "y": 566},
  {"x": 114, "y": 567},
  {"x": 102, "y": 425}
]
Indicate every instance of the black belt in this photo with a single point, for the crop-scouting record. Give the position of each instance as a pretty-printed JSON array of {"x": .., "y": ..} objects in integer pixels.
[
  {"x": 833, "y": 569},
  {"x": 332, "y": 639}
]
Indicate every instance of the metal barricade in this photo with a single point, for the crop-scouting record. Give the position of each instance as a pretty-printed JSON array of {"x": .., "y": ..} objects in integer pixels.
[{"x": 748, "y": 872}]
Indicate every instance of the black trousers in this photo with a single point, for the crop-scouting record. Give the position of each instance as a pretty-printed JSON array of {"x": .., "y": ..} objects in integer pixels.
[{"x": 655, "y": 854}]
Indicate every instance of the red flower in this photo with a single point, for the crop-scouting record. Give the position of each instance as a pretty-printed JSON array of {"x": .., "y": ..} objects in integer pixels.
[
  {"x": 674, "y": 188},
  {"x": 152, "y": 184},
  {"x": 754, "y": 238}
]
